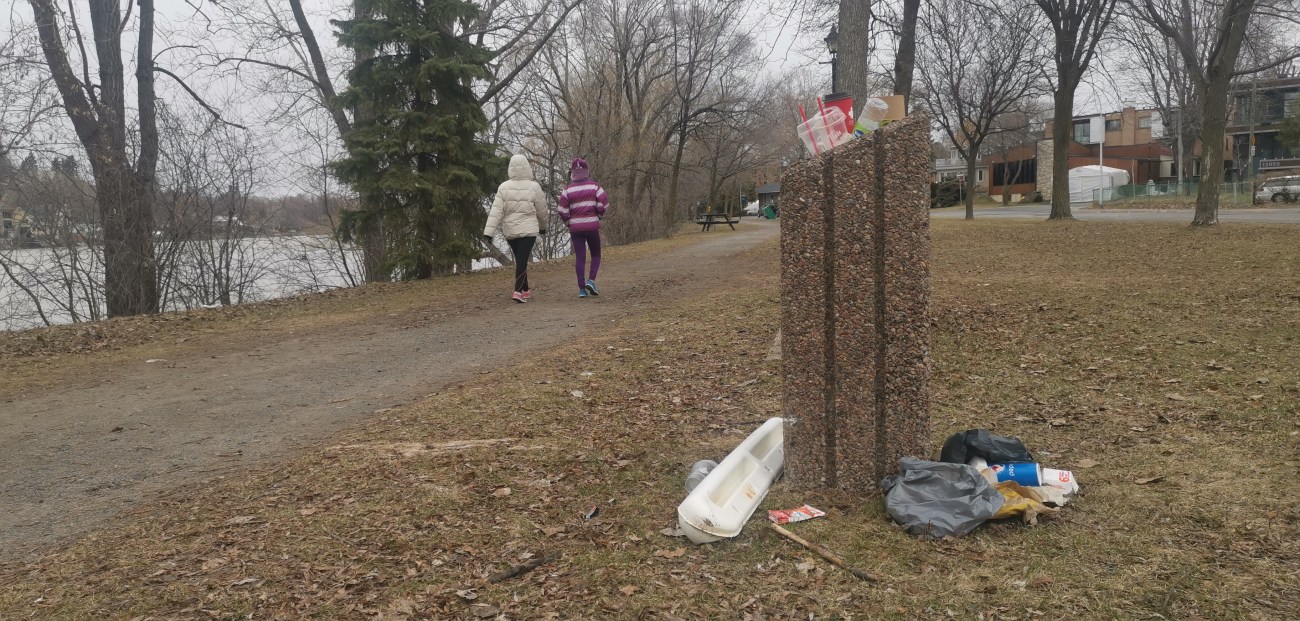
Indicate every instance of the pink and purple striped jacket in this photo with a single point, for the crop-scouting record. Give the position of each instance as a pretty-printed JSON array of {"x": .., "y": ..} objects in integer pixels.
[{"x": 582, "y": 205}]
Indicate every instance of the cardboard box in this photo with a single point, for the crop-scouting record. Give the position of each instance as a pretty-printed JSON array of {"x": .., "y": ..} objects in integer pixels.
[{"x": 897, "y": 110}]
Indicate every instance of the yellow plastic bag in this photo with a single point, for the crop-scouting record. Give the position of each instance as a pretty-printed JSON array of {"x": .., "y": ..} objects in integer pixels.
[{"x": 1022, "y": 501}]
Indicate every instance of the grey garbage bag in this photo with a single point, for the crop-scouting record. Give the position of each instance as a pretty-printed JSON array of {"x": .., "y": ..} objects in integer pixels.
[{"x": 937, "y": 499}]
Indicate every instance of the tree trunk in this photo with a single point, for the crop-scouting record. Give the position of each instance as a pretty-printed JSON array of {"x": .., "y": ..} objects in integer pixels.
[
  {"x": 125, "y": 212},
  {"x": 1062, "y": 126},
  {"x": 905, "y": 59},
  {"x": 854, "y": 49},
  {"x": 671, "y": 217},
  {"x": 1214, "y": 119},
  {"x": 124, "y": 196},
  {"x": 1006, "y": 180},
  {"x": 969, "y": 183}
]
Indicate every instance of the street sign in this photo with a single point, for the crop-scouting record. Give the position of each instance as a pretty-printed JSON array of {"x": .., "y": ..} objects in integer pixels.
[{"x": 1097, "y": 129}]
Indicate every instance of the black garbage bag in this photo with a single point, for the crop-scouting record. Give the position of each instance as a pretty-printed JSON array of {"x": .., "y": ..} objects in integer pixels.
[
  {"x": 959, "y": 448},
  {"x": 936, "y": 500}
]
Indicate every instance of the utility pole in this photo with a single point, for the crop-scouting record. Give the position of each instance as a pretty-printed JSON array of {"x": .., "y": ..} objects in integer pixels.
[
  {"x": 1250, "y": 148},
  {"x": 1101, "y": 162}
]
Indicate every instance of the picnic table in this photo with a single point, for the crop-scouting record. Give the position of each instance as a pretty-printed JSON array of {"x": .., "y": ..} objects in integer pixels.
[{"x": 707, "y": 220}]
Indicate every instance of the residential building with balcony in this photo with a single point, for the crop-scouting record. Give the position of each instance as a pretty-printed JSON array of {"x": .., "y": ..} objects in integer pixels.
[{"x": 1258, "y": 110}]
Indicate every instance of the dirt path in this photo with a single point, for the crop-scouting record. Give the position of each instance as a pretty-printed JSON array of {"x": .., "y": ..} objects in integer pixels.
[{"x": 74, "y": 457}]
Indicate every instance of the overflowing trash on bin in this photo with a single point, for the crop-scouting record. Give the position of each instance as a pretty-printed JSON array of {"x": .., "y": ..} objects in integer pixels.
[
  {"x": 833, "y": 123},
  {"x": 980, "y": 476}
]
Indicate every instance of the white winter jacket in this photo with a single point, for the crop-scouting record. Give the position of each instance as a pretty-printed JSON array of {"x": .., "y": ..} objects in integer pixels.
[{"x": 519, "y": 209}]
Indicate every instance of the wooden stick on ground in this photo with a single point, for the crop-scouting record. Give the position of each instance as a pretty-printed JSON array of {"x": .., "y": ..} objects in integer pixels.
[
  {"x": 826, "y": 554},
  {"x": 522, "y": 569}
]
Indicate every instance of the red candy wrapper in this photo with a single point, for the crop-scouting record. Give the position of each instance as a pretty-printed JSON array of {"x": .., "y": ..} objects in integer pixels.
[{"x": 788, "y": 516}]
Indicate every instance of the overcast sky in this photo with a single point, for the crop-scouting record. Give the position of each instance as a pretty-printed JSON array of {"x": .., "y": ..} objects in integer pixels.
[{"x": 785, "y": 46}]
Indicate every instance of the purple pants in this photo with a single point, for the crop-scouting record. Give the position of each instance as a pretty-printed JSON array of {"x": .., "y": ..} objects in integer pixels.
[{"x": 582, "y": 241}]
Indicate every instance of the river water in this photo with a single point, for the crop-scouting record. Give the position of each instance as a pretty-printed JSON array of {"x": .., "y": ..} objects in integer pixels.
[{"x": 51, "y": 286}]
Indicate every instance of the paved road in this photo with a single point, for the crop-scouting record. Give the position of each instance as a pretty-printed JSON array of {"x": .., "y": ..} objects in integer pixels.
[{"x": 1268, "y": 215}]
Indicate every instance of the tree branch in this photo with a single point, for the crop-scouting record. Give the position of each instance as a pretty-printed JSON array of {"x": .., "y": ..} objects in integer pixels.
[
  {"x": 241, "y": 60},
  {"x": 85, "y": 60},
  {"x": 197, "y": 98},
  {"x": 322, "y": 80},
  {"x": 505, "y": 82},
  {"x": 1290, "y": 56}
]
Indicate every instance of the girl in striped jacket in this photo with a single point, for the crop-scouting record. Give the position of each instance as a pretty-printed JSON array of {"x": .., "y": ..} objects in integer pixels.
[{"x": 582, "y": 205}]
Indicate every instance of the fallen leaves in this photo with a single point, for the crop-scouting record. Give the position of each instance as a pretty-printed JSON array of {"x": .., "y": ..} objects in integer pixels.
[
  {"x": 1173, "y": 396},
  {"x": 674, "y": 553},
  {"x": 629, "y": 589},
  {"x": 1149, "y": 480},
  {"x": 501, "y": 492},
  {"x": 484, "y": 611},
  {"x": 1084, "y": 464}
]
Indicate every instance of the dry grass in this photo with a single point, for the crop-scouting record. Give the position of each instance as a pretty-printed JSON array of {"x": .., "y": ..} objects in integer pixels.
[{"x": 1153, "y": 350}]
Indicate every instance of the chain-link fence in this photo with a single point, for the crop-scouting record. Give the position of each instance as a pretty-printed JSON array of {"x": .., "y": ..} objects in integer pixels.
[{"x": 1173, "y": 194}]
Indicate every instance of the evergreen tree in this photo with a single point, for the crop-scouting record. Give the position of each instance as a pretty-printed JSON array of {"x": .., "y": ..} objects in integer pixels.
[
  {"x": 414, "y": 154},
  {"x": 29, "y": 164},
  {"x": 68, "y": 166}
]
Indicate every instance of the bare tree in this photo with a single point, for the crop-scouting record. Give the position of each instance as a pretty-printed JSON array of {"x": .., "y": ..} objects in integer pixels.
[
  {"x": 27, "y": 100},
  {"x": 54, "y": 273},
  {"x": 209, "y": 251},
  {"x": 1078, "y": 26},
  {"x": 98, "y": 113},
  {"x": 1209, "y": 36},
  {"x": 967, "y": 88},
  {"x": 712, "y": 62},
  {"x": 1154, "y": 69}
]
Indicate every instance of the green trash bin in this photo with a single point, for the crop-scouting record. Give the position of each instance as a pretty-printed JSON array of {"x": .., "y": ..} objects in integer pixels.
[{"x": 769, "y": 213}]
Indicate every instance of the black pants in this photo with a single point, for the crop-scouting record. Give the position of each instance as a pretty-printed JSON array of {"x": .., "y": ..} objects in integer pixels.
[{"x": 522, "y": 247}]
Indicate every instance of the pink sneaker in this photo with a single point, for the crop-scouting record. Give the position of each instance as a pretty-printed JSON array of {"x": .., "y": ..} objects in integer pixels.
[
  {"x": 519, "y": 297},
  {"x": 528, "y": 295}
]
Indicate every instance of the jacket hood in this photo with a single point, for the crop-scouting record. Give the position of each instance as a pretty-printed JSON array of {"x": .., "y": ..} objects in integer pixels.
[
  {"x": 520, "y": 169},
  {"x": 579, "y": 171}
]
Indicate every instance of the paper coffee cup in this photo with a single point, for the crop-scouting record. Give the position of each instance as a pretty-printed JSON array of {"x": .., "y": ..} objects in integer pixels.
[{"x": 1026, "y": 474}]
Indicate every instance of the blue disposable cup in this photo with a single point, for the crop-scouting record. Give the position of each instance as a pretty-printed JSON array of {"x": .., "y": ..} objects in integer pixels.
[{"x": 1026, "y": 474}]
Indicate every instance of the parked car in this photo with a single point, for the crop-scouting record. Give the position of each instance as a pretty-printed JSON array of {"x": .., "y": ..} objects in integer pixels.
[
  {"x": 751, "y": 209},
  {"x": 1280, "y": 190}
]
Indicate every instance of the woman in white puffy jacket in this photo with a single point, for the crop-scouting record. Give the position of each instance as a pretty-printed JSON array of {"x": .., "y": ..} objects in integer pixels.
[{"x": 519, "y": 212}]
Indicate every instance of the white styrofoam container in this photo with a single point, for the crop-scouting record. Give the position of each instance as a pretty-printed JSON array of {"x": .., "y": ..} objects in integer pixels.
[{"x": 721, "y": 504}]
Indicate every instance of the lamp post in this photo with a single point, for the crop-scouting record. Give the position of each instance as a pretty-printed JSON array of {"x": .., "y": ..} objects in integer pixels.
[{"x": 833, "y": 46}]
